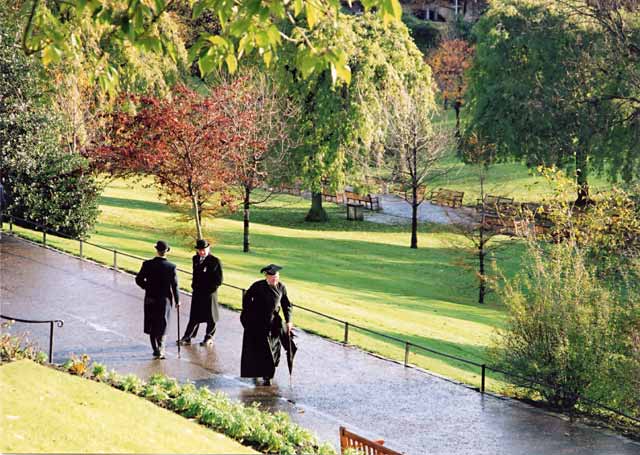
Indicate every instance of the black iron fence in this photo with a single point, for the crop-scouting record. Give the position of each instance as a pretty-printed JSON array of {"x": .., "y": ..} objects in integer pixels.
[
  {"x": 408, "y": 345},
  {"x": 57, "y": 322}
]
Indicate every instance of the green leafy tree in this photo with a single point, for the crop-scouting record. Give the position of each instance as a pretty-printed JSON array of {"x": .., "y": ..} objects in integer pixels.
[
  {"x": 536, "y": 90},
  {"x": 341, "y": 124},
  {"x": 45, "y": 180},
  {"x": 52, "y": 30}
]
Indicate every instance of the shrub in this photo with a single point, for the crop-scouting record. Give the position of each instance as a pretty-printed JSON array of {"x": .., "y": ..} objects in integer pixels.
[{"x": 566, "y": 330}]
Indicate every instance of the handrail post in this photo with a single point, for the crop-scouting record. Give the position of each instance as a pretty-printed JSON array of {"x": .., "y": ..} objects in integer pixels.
[
  {"x": 10, "y": 224},
  {"x": 484, "y": 367},
  {"x": 115, "y": 259},
  {"x": 407, "y": 347},
  {"x": 346, "y": 333},
  {"x": 50, "y": 341},
  {"x": 81, "y": 256}
]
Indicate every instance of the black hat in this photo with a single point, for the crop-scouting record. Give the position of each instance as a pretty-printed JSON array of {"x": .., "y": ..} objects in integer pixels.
[
  {"x": 270, "y": 269},
  {"x": 162, "y": 246},
  {"x": 201, "y": 244}
]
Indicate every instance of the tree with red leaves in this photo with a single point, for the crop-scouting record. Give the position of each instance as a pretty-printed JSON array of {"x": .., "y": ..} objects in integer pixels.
[
  {"x": 187, "y": 143},
  {"x": 449, "y": 63}
]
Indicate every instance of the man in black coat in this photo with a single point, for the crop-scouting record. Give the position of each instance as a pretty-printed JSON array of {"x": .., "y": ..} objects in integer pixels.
[
  {"x": 263, "y": 326},
  {"x": 159, "y": 280},
  {"x": 207, "y": 278}
]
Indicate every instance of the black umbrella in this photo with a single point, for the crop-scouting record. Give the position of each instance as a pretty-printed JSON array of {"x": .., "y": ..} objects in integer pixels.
[{"x": 286, "y": 337}]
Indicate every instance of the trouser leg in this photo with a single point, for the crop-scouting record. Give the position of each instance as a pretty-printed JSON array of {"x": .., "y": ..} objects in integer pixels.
[
  {"x": 211, "y": 330},
  {"x": 154, "y": 344},
  {"x": 191, "y": 330},
  {"x": 160, "y": 341}
]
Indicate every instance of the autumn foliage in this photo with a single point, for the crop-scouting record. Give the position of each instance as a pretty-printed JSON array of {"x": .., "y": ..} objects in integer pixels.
[
  {"x": 188, "y": 143},
  {"x": 449, "y": 63}
]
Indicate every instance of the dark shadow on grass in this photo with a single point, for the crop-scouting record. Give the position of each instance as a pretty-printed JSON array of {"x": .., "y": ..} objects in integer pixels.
[
  {"x": 134, "y": 204},
  {"x": 381, "y": 273}
]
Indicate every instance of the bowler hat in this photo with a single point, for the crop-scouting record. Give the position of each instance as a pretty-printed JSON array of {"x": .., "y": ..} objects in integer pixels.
[
  {"x": 201, "y": 244},
  {"x": 162, "y": 246},
  {"x": 270, "y": 269}
]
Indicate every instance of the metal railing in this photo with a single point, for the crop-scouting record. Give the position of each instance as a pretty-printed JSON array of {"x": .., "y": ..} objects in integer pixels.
[
  {"x": 408, "y": 345},
  {"x": 51, "y": 322}
]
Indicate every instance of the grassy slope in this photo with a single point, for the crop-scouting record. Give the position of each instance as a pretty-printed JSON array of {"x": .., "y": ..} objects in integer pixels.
[
  {"x": 360, "y": 272},
  {"x": 83, "y": 416}
]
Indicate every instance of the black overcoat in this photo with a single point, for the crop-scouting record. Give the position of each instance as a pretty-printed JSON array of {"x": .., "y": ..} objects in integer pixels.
[
  {"x": 159, "y": 280},
  {"x": 207, "y": 278},
  {"x": 263, "y": 328}
]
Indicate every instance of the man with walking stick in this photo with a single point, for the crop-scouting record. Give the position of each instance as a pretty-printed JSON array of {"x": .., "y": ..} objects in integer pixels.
[
  {"x": 159, "y": 280},
  {"x": 207, "y": 278}
]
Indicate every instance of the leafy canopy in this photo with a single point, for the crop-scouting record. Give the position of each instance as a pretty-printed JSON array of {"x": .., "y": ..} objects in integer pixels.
[{"x": 52, "y": 30}]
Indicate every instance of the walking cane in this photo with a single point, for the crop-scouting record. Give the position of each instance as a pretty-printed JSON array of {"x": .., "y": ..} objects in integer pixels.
[{"x": 178, "y": 311}]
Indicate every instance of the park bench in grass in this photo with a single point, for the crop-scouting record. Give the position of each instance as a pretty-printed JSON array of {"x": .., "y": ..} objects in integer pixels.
[
  {"x": 337, "y": 198},
  {"x": 368, "y": 201},
  {"x": 500, "y": 213},
  {"x": 349, "y": 440},
  {"x": 293, "y": 190},
  {"x": 450, "y": 198},
  {"x": 533, "y": 216}
]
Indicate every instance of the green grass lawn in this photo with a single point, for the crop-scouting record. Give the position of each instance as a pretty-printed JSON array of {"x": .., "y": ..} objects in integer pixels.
[
  {"x": 360, "y": 272},
  {"x": 49, "y": 411}
]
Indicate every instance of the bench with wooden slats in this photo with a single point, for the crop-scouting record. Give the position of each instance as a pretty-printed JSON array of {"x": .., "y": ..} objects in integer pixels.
[
  {"x": 370, "y": 202},
  {"x": 349, "y": 440},
  {"x": 443, "y": 196}
]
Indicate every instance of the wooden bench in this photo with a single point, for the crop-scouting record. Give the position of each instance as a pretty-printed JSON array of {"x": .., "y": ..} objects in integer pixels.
[
  {"x": 534, "y": 218},
  {"x": 337, "y": 198},
  {"x": 349, "y": 440},
  {"x": 500, "y": 213},
  {"x": 368, "y": 201},
  {"x": 295, "y": 191},
  {"x": 450, "y": 198}
]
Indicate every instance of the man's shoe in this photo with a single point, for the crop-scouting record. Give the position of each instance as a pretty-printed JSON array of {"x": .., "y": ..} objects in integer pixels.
[
  {"x": 207, "y": 342},
  {"x": 184, "y": 342},
  {"x": 266, "y": 381},
  {"x": 161, "y": 356}
]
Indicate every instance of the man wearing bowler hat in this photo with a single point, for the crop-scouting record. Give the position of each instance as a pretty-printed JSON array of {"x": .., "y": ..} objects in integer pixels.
[
  {"x": 263, "y": 326},
  {"x": 207, "y": 278},
  {"x": 159, "y": 280}
]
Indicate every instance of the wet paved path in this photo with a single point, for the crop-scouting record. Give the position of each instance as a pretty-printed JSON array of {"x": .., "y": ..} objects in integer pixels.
[{"x": 332, "y": 385}]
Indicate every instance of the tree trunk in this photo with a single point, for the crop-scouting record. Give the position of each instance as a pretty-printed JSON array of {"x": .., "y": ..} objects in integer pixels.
[
  {"x": 316, "y": 212},
  {"x": 582, "y": 176},
  {"x": 482, "y": 290},
  {"x": 247, "y": 208},
  {"x": 196, "y": 215},
  {"x": 414, "y": 219},
  {"x": 456, "y": 106}
]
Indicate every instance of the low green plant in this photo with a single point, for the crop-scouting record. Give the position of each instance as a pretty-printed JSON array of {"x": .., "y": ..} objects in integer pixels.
[
  {"x": 98, "y": 371},
  {"x": 132, "y": 383},
  {"x": 18, "y": 347}
]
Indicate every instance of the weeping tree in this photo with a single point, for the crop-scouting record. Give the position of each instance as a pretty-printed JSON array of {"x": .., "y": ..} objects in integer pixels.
[
  {"x": 340, "y": 122},
  {"x": 542, "y": 88}
]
